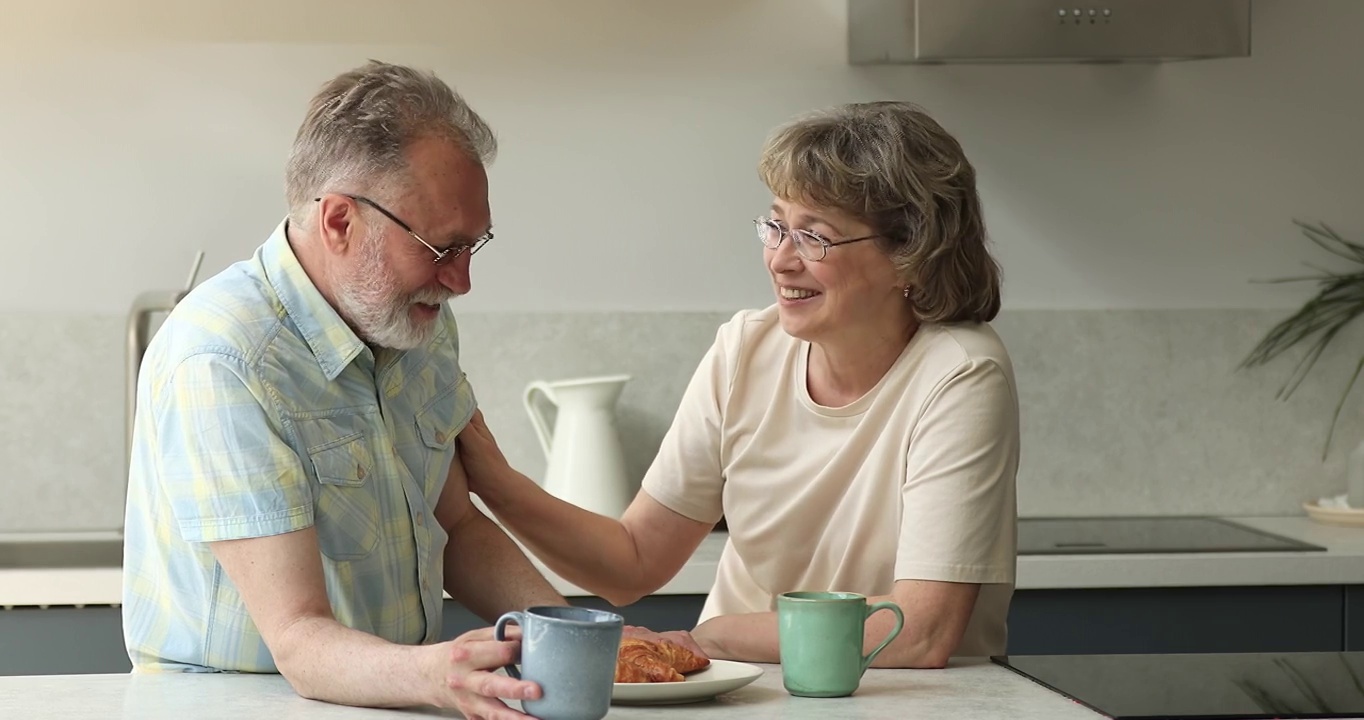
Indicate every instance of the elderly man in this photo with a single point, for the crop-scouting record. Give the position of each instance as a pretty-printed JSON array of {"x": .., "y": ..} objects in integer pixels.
[{"x": 296, "y": 503}]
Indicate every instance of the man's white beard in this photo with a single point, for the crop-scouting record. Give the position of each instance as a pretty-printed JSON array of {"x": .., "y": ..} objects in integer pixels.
[{"x": 378, "y": 312}]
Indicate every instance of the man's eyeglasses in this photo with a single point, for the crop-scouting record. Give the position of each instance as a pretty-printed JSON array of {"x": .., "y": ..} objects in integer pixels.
[
  {"x": 809, "y": 244},
  {"x": 442, "y": 256}
]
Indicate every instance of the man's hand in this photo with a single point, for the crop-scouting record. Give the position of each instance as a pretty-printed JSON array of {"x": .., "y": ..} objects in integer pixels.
[
  {"x": 465, "y": 676},
  {"x": 281, "y": 581},
  {"x": 478, "y": 452},
  {"x": 677, "y": 637}
]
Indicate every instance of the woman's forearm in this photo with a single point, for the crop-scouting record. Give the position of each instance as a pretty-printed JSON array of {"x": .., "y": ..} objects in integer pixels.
[
  {"x": 935, "y": 616},
  {"x": 592, "y": 551},
  {"x": 751, "y": 637}
]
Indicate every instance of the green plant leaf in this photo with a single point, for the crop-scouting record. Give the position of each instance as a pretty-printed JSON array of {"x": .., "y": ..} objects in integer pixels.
[{"x": 1339, "y": 301}]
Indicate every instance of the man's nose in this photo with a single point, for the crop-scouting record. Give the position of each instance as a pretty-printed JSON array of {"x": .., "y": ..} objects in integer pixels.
[{"x": 455, "y": 276}]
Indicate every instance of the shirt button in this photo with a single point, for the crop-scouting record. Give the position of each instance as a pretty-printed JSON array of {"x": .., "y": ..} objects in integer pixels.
[
  {"x": 440, "y": 437},
  {"x": 420, "y": 519},
  {"x": 360, "y": 472}
]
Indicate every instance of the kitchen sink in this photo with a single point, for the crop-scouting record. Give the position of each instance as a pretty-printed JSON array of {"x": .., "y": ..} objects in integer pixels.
[{"x": 36, "y": 554}]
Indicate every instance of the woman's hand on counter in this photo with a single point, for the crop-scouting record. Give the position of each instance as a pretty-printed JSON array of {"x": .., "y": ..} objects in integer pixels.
[{"x": 676, "y": 637}]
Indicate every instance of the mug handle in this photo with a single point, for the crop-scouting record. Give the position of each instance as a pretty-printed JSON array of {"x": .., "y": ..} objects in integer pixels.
[
  {"x": 500, "y": 634},
  {"x": 899, "y": 625}
]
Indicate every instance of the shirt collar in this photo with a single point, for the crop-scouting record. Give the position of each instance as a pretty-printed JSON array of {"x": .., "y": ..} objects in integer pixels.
[{"x": 334, "y": 345}]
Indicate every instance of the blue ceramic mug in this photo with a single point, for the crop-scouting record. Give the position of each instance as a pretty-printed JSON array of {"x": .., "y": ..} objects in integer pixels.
[{"x": 570, "y": 652}]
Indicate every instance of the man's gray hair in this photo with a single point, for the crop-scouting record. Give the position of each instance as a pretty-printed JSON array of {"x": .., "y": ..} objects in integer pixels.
[{"x": 360, "y": 124}]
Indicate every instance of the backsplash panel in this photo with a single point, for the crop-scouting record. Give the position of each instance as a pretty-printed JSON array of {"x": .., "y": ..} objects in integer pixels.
[
  {"x": 502, "y": 353},
  {"x": 61, "y": 432},
  {"x": 1124, "y": 412},
  {"x": 1144, "y": 412}
]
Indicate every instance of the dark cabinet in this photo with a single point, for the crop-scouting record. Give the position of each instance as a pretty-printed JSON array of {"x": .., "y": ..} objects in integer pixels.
[
  {"x": 1184, "y": 620},
  {"x": 656, "y": 612},
  {"x": 78, "y": 641},
  {"x": 62, "y": 641},
  {"x": 1354, "y": 617},
  {"x": 1330, "y": 618}
]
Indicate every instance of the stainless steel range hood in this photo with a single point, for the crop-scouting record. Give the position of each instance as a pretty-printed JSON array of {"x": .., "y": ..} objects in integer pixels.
[{"x": 1036, "y": 31}]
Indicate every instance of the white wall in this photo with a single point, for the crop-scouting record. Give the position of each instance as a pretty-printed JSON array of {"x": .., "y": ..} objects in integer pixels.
[{"x": 135, "y": 132}]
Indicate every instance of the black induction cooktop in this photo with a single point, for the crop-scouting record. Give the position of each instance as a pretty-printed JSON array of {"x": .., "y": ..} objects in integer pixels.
[
  {"x": 1223, "y": 685},
  {"x": 1108, "y": 535}
]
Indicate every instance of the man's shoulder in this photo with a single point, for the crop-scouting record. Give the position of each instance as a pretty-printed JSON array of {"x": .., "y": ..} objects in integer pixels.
[{"x": 233, "y": 313}]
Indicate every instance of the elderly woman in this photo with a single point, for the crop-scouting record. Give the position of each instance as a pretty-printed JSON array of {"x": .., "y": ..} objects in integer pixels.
[{"x": 860, "y": 434}]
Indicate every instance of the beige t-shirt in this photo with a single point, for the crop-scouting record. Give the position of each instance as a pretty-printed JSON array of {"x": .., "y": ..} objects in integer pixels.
[{"x": 913, "y": 481}]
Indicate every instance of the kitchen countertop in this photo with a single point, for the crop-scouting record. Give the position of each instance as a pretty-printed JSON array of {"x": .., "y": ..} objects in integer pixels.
[
  {"x": 967, "y": 690},
  {"x": 1342, "y": 563},
  {"x": 45, "y": 587}
]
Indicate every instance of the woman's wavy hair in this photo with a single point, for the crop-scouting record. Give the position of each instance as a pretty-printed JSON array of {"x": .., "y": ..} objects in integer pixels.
[{"x": 893, "y": 167}]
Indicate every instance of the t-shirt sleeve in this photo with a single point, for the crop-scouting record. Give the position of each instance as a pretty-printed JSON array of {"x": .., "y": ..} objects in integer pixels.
[
  {"x": 959, "y": 509},
  {"x": 686, "y": 475},
  {"x": 226, "y": 470}
]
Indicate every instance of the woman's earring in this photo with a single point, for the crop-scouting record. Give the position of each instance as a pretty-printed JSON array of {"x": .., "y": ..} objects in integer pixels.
[{"x": 906, "y": 292}]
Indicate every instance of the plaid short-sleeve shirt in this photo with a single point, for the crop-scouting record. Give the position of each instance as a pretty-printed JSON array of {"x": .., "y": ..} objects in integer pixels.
[{"x": 259, "y": 411}]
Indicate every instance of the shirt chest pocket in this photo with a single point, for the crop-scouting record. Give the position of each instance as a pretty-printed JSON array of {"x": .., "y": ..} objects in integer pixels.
[
  {"x": 439, "y": 424},
  {"x": 348, "y": 501}
]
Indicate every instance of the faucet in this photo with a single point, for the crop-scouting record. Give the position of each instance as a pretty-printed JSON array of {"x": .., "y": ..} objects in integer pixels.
[{"x": 139, "y": 335}]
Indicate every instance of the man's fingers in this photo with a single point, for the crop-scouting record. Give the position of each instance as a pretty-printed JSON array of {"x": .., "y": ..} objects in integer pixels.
[
  {"x": 493, "y": 685},
  {"x": 488, "y": 709},
  {"x": 510, "y": 632},
  {"x": 484, "y": 654},
  {"x": 483, "y": 633}
]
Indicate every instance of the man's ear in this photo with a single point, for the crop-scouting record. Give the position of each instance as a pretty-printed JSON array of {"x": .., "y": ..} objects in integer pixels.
[{"x": 338, "y": 223}]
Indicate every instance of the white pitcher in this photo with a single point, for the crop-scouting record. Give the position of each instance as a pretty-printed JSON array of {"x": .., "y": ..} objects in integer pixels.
[{"x": 586, "y": 463}]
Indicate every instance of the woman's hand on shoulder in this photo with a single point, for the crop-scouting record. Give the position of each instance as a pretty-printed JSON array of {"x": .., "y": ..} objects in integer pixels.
[{"x": 482, "y": 459}]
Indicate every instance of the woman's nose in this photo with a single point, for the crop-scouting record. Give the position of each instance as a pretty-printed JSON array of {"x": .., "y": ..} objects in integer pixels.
[{"x": 784, "y": 257}]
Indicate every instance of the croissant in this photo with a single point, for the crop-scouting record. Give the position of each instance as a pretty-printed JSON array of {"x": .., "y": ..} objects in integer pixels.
[
  {"x": 627, "y": 672},
  {"x": 643, "y": 661},
  {"x": 640, "y": 657},
  {"x": 682, "y": 659}
]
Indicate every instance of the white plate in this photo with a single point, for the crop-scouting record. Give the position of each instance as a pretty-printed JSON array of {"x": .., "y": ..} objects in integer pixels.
[
  {"x": 721, "y": 677},
  {"x": 1352, "y": 517}
]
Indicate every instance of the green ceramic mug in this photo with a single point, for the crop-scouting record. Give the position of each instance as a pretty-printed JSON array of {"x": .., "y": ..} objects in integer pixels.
[{"x": 821, "y": 641}]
